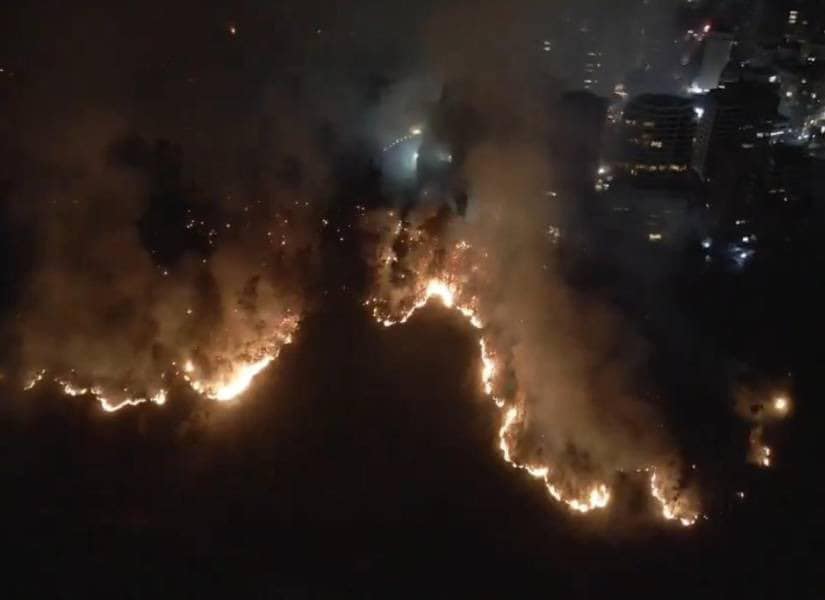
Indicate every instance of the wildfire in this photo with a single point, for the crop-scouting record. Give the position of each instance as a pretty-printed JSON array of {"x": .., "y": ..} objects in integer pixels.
[
  {"x": 765, "y": 452},
  {"x": 225, "y": 384},
  {"x": 763, "y": 416},
  {"x": 449, "y": 288},
  {"x": 158, "y": 398},
  {"x": 235, "y": 375},
  {"x": 598, "y": 495},
  {"x": 674, "y": 506},
  {"x": 760, "y": 452},
  {"x": 236, "y": 383},
  {"x": 436, "y": 288},
  {"x": 108, "y": 405},
  {"x": 38, "y": 377}
]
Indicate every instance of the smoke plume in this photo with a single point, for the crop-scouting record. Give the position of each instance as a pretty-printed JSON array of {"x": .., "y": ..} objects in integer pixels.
[{"x": 567, "y": 361}]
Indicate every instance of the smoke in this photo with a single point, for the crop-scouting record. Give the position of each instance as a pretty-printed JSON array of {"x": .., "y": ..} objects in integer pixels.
[
  {"x": 115, "y": 301},
  {"x": 171, "y": 208},
  {"x": 571, "y": 361},
  {"x": 194, "y": 258}
]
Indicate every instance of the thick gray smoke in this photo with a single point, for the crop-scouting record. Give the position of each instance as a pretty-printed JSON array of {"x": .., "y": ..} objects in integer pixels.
[
  {"x": 115, "y": 299},
  {"x": 146, "y": 254},
  {"x": 100, "y": 309},
  {"x": 571, "y": 359}
]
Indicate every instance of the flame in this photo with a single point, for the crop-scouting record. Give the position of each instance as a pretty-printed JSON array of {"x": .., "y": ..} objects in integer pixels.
[
  {"x": 158, "y": 398},
  {"x": 38, "y": 377},
  {"x": 764, "y": 458},
  {"x": 511, "y": 418},
  {"x": 436, "y": 288},
  {"x": 232, "y": 380},
  {"x": 598, "y": 495},
  {"x": 448, "y": 288},
  {"x": 458, "y": 269},
  {"x": 674, "y": 506},
  {"x": 71, "y": 389},
  {"x": 760, "y": 453},
  {"x": 232, "y": 385},
  {"x": 488, "y": 368}
]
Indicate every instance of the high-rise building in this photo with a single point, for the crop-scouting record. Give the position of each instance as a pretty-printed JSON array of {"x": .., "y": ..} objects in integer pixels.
[
  {"x": 716, "y": 51},
  {"x": 656, "y": 136},
  {"x": 738, "y": 117},
  {"x": 578, "y": 119}
]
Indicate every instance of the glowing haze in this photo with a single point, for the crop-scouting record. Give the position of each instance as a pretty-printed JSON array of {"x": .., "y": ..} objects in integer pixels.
[{"x": 112, "y": 309}]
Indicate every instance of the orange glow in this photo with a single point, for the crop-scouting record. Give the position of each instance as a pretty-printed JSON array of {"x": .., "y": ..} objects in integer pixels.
[
  {"x": 229, "y": 382},
  {"x": 597, "y": 496},
  {"x": 232, "y": 384},
  {"x": 673, "y": 506},
  {"x": 781, "y": 406}
]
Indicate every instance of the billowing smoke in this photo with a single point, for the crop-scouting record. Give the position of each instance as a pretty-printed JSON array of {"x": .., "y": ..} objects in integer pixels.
[
  {"x": 569, "y": 374},
  {"x": 110, "y": 304},
  {"x": 171, "y": 207},
  {"x": 153, "y": 261}
]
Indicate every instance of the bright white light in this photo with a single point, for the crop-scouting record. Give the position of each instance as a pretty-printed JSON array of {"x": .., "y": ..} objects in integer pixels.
[
  {"x": 700, "y": 112},
  {"x": 773, "y": 79},
  {"x": 707, "y": 243},
  {"x": 416, "y": 130},
  {"x": 695, "y": 89}
]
